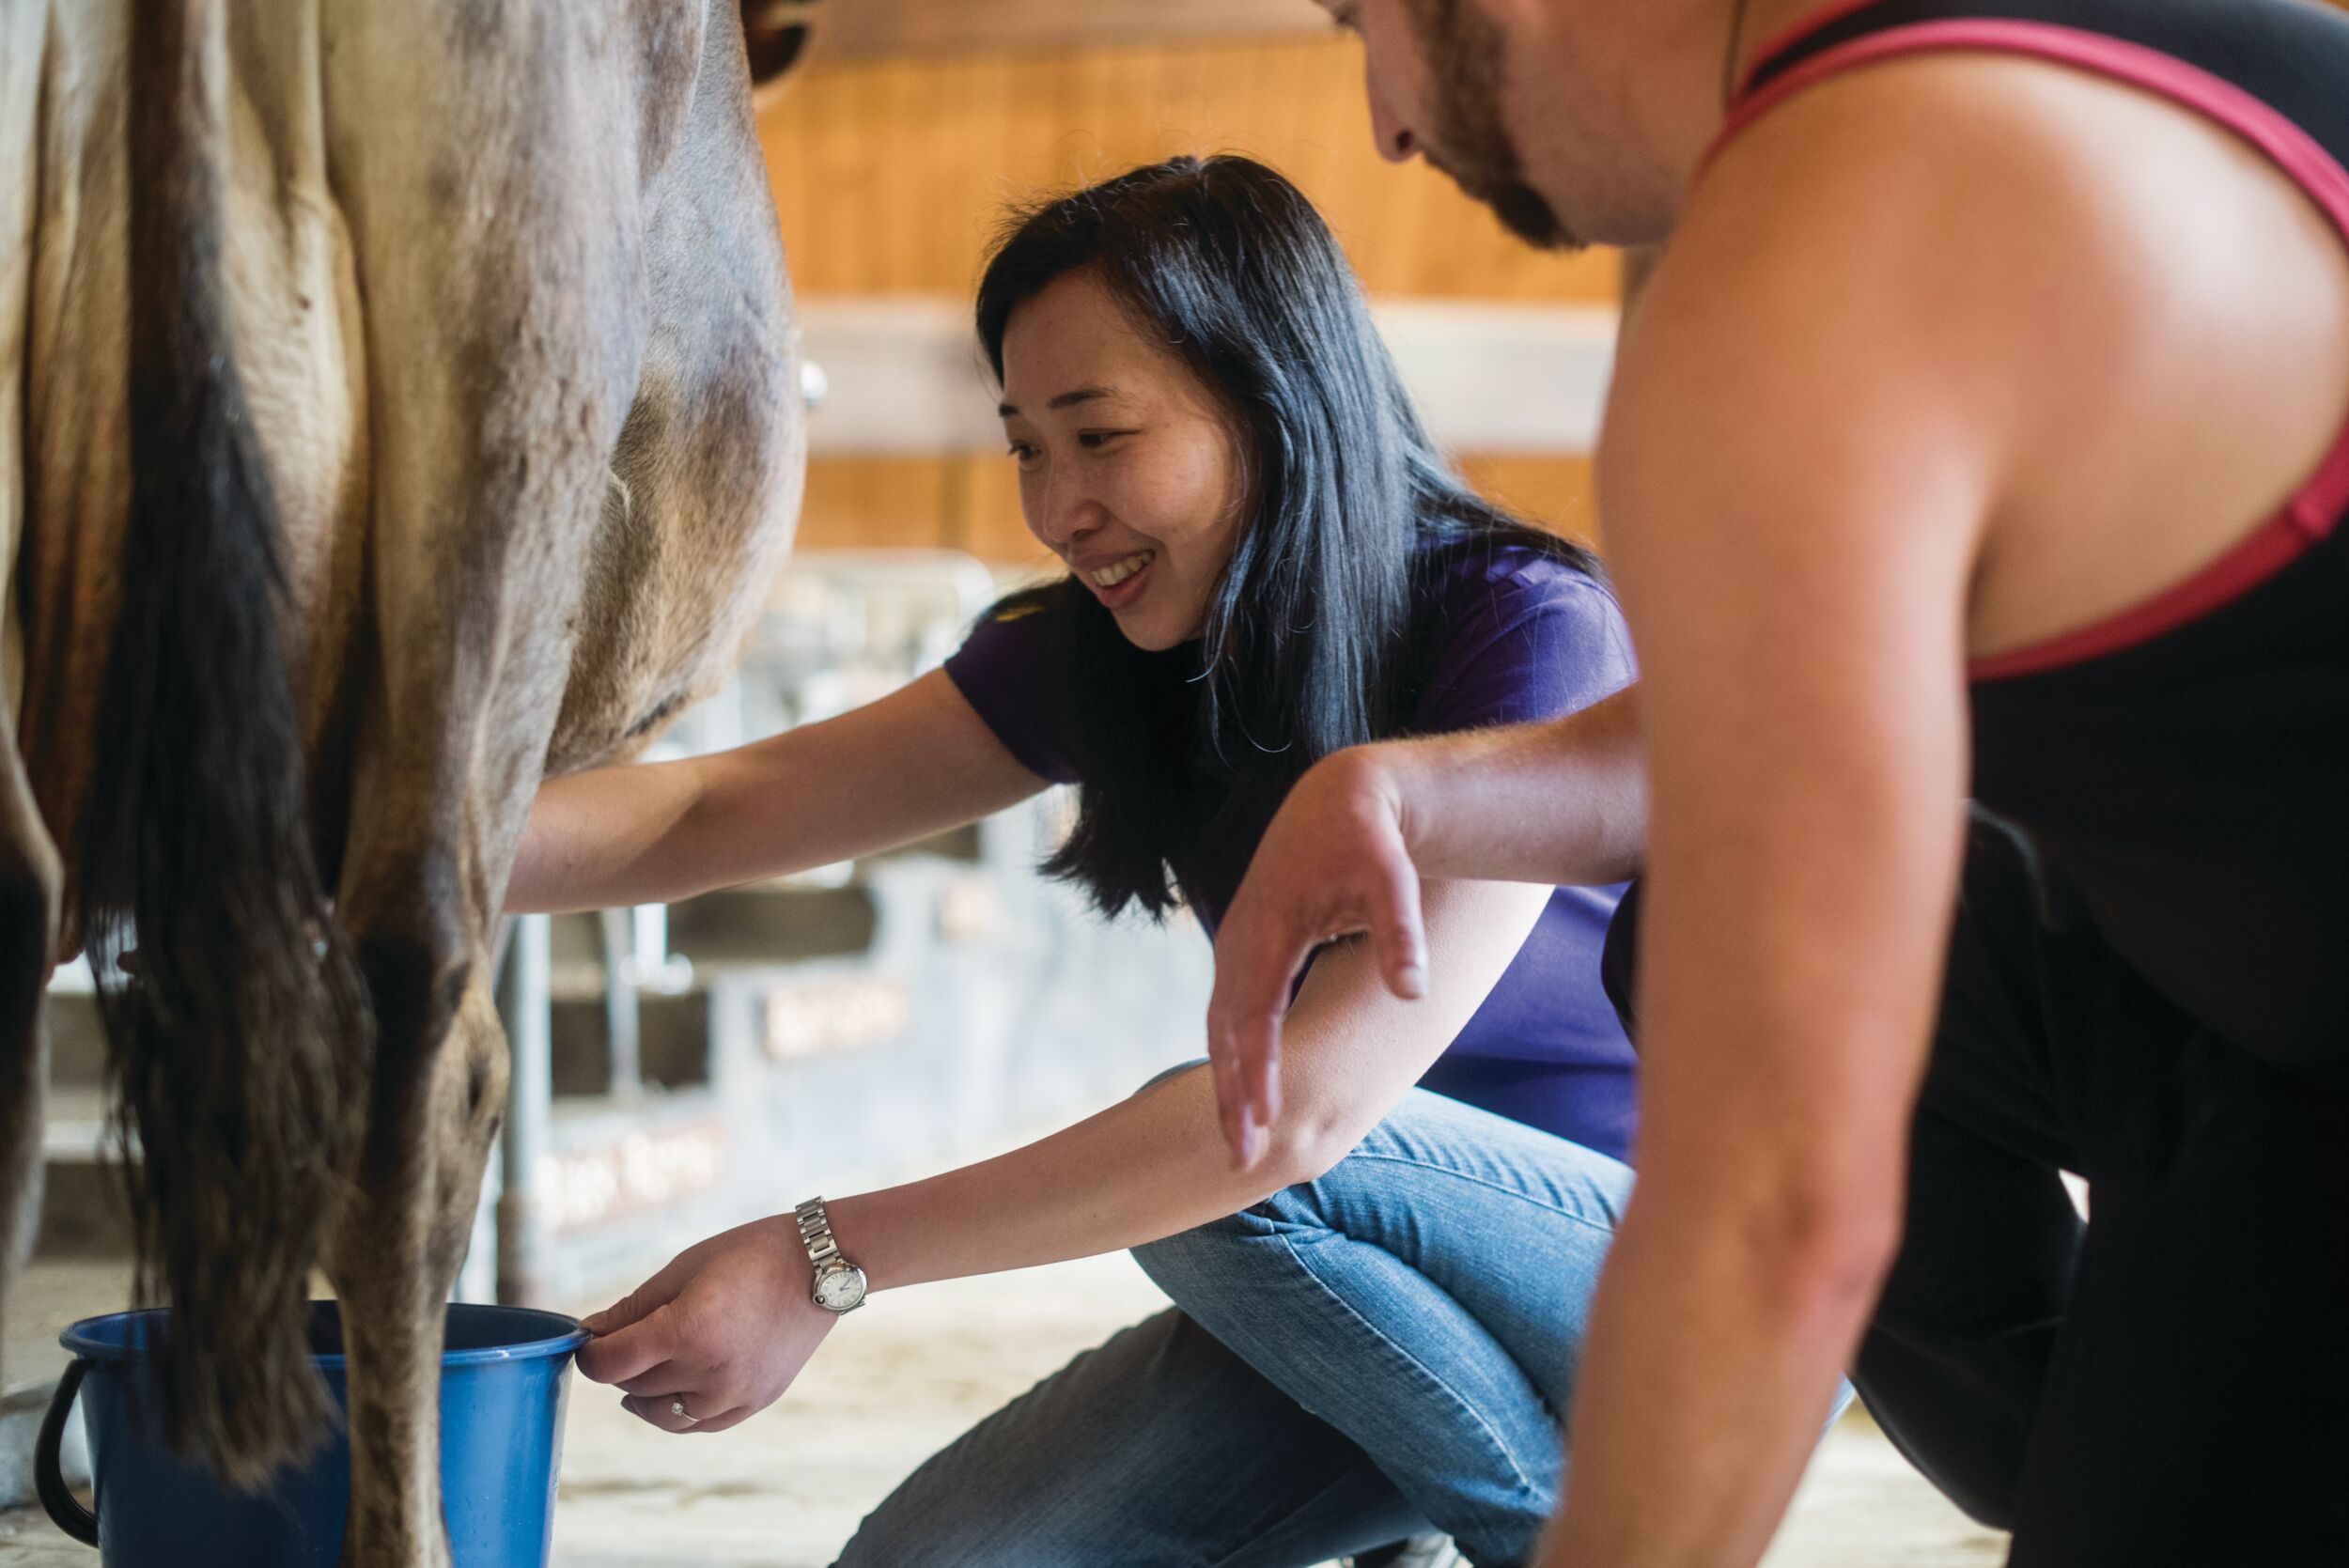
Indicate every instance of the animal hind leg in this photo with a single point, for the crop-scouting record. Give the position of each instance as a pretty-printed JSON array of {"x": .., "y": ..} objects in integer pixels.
[
  {"x": 31, "y": 871},
  {"x": 496, "y": 209},
  {"x": 439, "y": 1089},
  {"x": 30, "y": 876},
  {"x": 445, "y": 770},
  {"x": 446, "y": 766},
  {"x": 504, "y": 350}
]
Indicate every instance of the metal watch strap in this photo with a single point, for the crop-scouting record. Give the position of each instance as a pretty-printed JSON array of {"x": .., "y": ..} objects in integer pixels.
[
  {"x": 816, "y": 1235},
  {"x": 831, "y": 1267}
]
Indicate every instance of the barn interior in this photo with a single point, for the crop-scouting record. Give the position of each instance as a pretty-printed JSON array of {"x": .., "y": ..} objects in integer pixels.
[{"x": 680, "y": 1069}]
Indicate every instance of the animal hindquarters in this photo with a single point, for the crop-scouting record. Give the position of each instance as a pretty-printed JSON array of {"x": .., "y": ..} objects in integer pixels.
[{"x": 499, "y": 169}]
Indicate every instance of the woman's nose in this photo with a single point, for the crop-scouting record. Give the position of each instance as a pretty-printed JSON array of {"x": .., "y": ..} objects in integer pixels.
[{"x": 1065, "y": 514}]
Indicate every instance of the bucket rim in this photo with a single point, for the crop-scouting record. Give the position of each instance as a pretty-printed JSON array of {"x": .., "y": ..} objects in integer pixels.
[{"x": 100, "y": 1339}]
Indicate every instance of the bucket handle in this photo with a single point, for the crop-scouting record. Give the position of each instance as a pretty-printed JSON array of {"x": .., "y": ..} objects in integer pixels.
[{"x": 63, "y": 1507}]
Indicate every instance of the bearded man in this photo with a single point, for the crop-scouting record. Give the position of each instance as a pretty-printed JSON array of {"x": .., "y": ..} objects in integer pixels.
[{"x": 1983, "y": 432}]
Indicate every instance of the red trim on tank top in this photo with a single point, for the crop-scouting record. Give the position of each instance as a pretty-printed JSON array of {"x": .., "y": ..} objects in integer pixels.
[
  {"x": 2315, "y": 511},
  {"x": 1793, "y": 32}
]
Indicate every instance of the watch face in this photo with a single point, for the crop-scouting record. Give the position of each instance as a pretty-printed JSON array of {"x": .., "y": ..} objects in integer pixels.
[{"x": 840, "y": 1289}]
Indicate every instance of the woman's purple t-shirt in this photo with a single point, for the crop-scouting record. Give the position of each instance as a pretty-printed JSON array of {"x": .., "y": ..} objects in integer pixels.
[{"x": 1518, "y": 636}]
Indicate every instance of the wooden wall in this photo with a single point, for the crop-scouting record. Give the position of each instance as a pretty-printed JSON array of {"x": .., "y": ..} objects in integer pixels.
[{"x": 892, "y": 175}]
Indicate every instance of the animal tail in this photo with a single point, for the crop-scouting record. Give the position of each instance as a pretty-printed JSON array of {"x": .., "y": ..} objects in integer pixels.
[{"x": 241, "y": 1046}]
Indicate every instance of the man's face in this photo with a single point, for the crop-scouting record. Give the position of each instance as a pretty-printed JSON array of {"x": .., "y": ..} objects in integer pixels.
[{"x": 1436, "y": 91}]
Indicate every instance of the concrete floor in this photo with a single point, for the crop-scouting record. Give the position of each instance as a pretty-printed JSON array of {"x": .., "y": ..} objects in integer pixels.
[{"x": 914, "y": 1370}]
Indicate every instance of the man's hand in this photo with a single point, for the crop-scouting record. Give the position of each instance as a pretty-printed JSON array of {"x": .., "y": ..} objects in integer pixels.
[
  {"x": 1559, "y": 803},
  {"x": 723, "y": 1331},
  {"x": 1335, "y": 862}
]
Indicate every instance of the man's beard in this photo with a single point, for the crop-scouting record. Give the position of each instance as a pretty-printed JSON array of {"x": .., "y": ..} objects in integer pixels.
[{"x": 1469, "y": 142}]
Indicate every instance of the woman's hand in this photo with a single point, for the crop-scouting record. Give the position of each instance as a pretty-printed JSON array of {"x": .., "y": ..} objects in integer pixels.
[
  {"x": 1334, "y": 862},
  {"x": 723, "y": 1330}
]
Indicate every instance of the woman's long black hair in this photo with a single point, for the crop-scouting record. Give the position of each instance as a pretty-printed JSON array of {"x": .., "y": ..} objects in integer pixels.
[{"x": 1308, "y": 645}]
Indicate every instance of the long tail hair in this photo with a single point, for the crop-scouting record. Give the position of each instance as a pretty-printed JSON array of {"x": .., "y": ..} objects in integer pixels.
[{"x": 241, "y": 1047}]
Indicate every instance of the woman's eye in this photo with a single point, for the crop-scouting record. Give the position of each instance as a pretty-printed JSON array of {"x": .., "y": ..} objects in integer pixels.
[
  {"x": 1021, "y": 451},
  {"x": 1093, "y": 441}
]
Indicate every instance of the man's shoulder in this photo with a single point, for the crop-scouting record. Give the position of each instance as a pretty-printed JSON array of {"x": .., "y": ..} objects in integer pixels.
[
  {"x": 1945, "y": 180},
  {"x": 1921, "y": 244}
]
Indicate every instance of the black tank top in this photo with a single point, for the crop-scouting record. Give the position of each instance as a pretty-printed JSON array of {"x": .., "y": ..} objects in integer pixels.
[{"x": 2183, "y": 765}]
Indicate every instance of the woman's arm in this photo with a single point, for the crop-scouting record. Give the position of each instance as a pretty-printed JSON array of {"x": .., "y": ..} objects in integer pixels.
[
  {"x": 917, "y": 761},
  {"x": 1152, "y": 1166},
  {"x": 729, "y": 1324}
]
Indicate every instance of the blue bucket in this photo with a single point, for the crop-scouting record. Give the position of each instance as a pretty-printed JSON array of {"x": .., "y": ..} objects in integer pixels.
[{"x": 503, "y": 1380}]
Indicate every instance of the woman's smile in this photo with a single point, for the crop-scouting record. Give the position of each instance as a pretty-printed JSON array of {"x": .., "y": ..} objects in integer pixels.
[
  {"x": 1121, "y": 581},
  {"x": 1130, "y": 464}
]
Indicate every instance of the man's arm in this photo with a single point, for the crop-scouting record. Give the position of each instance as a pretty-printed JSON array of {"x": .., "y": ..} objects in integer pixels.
[
  {"x": 1563, "y": 803},
  {"x": 1814, "y": 428}
]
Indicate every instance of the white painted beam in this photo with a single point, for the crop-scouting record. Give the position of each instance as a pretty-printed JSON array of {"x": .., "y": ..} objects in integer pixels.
[
  {"x": 907, "y": 378},
  {"x": 1505, "y": 378}
]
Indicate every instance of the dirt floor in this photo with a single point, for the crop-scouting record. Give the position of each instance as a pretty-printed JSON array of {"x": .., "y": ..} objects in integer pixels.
[{"x": 913, "y": 1370}]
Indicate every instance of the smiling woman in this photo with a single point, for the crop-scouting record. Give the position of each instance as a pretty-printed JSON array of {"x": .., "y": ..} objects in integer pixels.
[
  {"x": 1269, "y": 561},
  {"x": 1128, "y": 469},
  {"x": 1211, "y": 434}
]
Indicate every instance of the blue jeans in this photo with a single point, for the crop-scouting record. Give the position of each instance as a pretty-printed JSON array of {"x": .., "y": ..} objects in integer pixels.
[{"x": 1354, "y": 1360}]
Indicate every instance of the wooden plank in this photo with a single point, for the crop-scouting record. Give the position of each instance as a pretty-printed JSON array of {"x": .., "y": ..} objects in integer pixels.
[
  {"x": 868, "y": 27},
  {"x": 893, "y": 175}
]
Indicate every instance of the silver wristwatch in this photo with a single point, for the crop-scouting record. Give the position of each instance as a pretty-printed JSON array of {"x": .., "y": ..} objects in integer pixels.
[{"x": 839, "y": 1283}]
